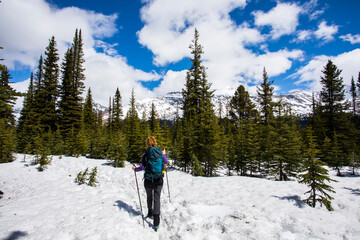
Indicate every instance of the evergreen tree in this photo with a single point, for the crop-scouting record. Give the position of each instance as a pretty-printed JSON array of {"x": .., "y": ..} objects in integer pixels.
[
  {"x": 7, "y": 119},
  {"x": 353, "y": 95},
  {"x": 202, "y": 134},
  {"x": 332, "y": 96},
  {"x": 135, "y": 143},
  {"x": 87, "y": 131},
  {"x": 49, "y": 87},
  {"x": 154, "y": 125},
  {"x": 71, "y": 90},
  {"x": 24, "y": 129},
  {"x": 315, "y": 175},
  {"x": 117, "y": 112},
  {"x": 287, "y": 145},
  {"x": 265, "y": 93},
  {"x": 242, "y": 109},
  {"x": 177, "y": 138},
  {"x": 7, "y": 144},
  {"x": 7, "y": 97},
  {"x": 333, "y": 155},
  {"x": 358, "y": 84},
  {"x": 109, "y": 122}
]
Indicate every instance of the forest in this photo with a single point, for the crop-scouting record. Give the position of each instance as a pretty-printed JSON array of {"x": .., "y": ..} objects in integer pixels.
[{"x": 265, "y": 141}]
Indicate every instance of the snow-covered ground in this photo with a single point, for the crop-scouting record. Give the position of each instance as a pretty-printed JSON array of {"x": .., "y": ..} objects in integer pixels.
[{"x": 49, "y": 205}]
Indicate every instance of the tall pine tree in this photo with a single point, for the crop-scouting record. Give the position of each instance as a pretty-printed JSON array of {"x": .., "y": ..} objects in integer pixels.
[{"x": 202, "y": 133}]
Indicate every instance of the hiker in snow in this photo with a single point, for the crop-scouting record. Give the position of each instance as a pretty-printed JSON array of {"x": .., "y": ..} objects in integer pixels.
[{"x": 154, "y": 163}]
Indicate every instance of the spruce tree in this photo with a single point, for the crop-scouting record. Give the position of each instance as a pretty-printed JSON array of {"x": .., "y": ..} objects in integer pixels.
[
  {"x": 154, "y": 125},
  {"x": 135, "y": 143},
  {"x": 7, "y": 97},
  {"x": 71, "y": 90},
  {"x": 353, "y": 95},
  {"x": 265, "y": 93},
  {"x": 117, "y": 111},
  {"x": 88, "y": 123},
  {"x": 315, "y": 175},
  {"x": 24, "y": 128},
  {"x": 7, "y": 119},
  {"x": 287, "y": 145},
  {"x": 242, "y": 109},
  {"x": 202, "y": 134},
  {"x": 267, "y": 134},
  {"x": 332, "y": 96},
  {"x": 49, "y": 87}
]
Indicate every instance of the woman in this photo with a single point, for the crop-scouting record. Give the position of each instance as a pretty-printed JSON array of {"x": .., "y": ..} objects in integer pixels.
[{"x": 154, "y": 163}]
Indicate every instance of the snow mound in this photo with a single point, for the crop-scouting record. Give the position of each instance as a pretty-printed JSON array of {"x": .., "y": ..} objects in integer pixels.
[{"x": 49, "y": 205}]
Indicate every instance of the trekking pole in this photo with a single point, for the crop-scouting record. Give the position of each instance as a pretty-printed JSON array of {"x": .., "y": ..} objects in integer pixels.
[
  {"x": 167, "y": 180},
  {"x": 137, "y": 185}
]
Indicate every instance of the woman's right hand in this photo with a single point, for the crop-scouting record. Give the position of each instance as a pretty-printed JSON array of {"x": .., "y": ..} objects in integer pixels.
[{"x": 133, "y": 167}]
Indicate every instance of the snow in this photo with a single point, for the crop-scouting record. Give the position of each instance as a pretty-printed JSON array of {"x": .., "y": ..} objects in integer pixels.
[{"x": 49, "y": 205}]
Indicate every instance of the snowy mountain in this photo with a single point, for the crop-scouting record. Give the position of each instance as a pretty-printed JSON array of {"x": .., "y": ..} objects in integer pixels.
[
  {"x": 166, "y": 106},
  {"x": 50, "y": 205},
  {"x": 299, "y": 101}
]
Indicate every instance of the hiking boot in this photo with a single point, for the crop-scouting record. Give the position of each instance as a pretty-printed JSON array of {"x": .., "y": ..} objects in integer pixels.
[
  {"x": 156, "y": 221},
  {"x": 150, "y": 215}
]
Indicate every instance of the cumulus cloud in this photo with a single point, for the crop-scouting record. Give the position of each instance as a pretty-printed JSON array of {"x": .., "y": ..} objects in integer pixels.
[
  {"x": 310, "y": 74},
  {"x": 283, "y": 19},
  {"x": 353, "y": 39},
  {"x": 173, "y": 81},
  {"x": 326, "y": 32},
  {"x": 27, "y": 36},
  {"x": 169, "y": 28}
]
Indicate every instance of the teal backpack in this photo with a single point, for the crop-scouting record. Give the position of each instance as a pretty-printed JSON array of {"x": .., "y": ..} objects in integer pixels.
[{"x": 154, "y": 163}]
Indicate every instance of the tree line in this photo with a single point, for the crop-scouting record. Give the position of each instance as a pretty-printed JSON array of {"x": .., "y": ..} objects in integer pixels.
[{"x": 264, "y": 141}]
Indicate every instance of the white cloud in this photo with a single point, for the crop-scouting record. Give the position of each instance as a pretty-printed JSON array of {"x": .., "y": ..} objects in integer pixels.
[
  {"x": 353, "y": 39},
  {"x": 283, "y": 19},
  {"x": 29, "y": 24},
  {"x": 310, "y": 74},
  {"x": 311, "y": 9},
  {"x": 325, "y": 32},
  {"x": 169, "y": 28},
  {"x": 303, "y": 35},
  {"x": 173, "y": 81}
]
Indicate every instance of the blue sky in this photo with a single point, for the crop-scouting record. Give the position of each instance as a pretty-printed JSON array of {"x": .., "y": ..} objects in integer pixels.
[{"x": 144, "y": 44}]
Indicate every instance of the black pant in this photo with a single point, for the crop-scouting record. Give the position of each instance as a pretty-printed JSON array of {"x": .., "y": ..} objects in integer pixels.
[{"x": 153, "y": 193}]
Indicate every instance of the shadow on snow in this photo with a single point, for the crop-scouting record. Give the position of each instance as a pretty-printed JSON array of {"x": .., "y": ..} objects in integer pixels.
[
  {"x": 298, "y": 202},
  {"x": 128, "y": 208},
  {"x": 16, "y": 235}
]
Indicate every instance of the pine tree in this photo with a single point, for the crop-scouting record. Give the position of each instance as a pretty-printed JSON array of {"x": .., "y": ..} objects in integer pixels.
[
  {"x": 117, "y": 112},
  {"x": 265, "y": 93},
  {"x": 202, "y": 134},
  {"x": 315, "y": 175},
  {"x": 7, "y": 97},
  {"x": 333, "y": 155},
  {"x": 177, "y": 137},
  {"x": 24, "y": 128},
  {"x": 252, "y": 146},
  {"x": 7, "y": 144},
  {"x": 49, "y": 87},
  {"x": 133, "y": 134},
  {"x": 7, "y": 119},
  {"x": 353, "y": 95},
  {"x": 287, "y": 145},
  {"x": 71, "y": 90},
  {"x": 87, "y": 131},
  {"x": 332, "y": 95},
  {"x": 242, "y": 109},
  {"x": 154, "y": 125},
  {"x": 358, "y": 84}
]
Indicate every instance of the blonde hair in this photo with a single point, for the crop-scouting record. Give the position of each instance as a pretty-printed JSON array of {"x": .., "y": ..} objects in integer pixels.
[{"x": 151, "y": 142}]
